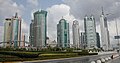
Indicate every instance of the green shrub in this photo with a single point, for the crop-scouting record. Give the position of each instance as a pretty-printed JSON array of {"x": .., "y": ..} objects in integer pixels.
[
  {"x": 21, "y": 54},
  {"x": 85, "y": 53}
]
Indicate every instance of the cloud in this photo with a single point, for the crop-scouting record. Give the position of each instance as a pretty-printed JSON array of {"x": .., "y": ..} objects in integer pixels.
[
  {"x": 55, "y": 13},
  {"x": 8, "y": 9},
  {"x": 79, "y": 8},
  {"x": 33, "y": 2},
  {"x": 24, "y": 26},
  {"x": 25, "y": 29}
]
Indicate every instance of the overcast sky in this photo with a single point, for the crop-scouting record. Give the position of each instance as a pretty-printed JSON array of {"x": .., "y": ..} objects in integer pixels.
[{"x": 70, "y": 9}]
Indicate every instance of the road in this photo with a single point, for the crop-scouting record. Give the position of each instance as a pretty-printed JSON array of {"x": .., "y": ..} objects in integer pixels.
[{"x": 84, "y": 59}]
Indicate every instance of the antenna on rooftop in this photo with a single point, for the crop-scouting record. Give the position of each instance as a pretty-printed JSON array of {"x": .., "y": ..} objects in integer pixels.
[{"x": 102, "y": 11}]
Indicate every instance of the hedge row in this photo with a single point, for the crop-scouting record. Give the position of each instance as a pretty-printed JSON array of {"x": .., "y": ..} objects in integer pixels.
[
  {"x": 56, "y": 56},
  {"x": 21, "y": 54},
  {"x": 87, "y": 53}
]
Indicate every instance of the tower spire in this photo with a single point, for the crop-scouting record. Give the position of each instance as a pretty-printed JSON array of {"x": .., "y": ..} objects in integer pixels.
[
  {"x": 102, "y": 11},
  {"x": 16, "y": 15}
]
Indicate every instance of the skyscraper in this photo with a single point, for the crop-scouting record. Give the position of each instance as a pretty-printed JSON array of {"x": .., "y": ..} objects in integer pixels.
[
  {"x": 63, "y": 39},
  {"x": 104, "y": 32},
  {"x": 76, "y": 34},
  {"x": 90, "y": 32},
  {"x": 98, "y": 39},
  {"x": 12, "y": 31},
  {"x": 82, "y": 39},
  {"x": 16, "y": 37},
  {"x": 22, "y": 44},
  {"x": 38, "y": 29},
  {"x": 7, "y": 32},
  {"x": 31, "y": 37}
]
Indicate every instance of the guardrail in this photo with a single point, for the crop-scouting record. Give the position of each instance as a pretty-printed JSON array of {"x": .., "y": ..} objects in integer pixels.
[{"x": 105, "y": 59}]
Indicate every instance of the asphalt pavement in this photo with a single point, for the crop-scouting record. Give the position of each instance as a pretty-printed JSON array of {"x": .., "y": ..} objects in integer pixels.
[{"x": 84, "y": 59}]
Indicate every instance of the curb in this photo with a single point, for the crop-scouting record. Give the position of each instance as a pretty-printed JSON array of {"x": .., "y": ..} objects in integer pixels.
[{"x": 105, "y": 59}]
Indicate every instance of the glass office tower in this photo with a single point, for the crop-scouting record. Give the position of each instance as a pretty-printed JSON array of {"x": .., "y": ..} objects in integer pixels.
[
  {"x": 63, "y": 39},
  {"x": 38, "y": 29},
  {"x": 90, "y": 32}
]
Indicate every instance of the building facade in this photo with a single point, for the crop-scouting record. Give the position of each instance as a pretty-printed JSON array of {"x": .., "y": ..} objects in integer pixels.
[
  {"x": 98, "y": 40},
  {"x": 31, "y": 37},
  {"x": 76, "y": 34},
  {"x": 38, "y": 29},
  {"x": 12, "y": 31},
  {"x": 7, "y": 32},
  {"x": 51, "y": 43},
  {"x": 90, "y": 32},
  {"x": 16, "y": 37},
  {"x": 104, "y": 32},
  {"x": 63, "y": 38},
  {"x": 83, "y": 41},
  {"x": 22, "y": 44}
]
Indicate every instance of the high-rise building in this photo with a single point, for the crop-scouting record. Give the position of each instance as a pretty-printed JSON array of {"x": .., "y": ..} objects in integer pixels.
[
  {"x": 22, "y": 43},
  {"x": 104, "y": 31},
  {"x": 16, "y": 37},
  {"x": 90, "y": 32},
  {"x": 82, "y": 39},
  {"x": 7, "y": 32},
  {"x": 76, "y": 34},
  {"x": 31, "y": 37},
  {"x": 98, "y": 40},
  {"x": 63, "y": 38},
  {"x": 38, "y": 29},
  {"x": 12, "y": 31}
]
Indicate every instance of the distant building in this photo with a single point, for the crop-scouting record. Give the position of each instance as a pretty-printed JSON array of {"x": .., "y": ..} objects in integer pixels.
[
  {"x": 12, "y": 32},
  {"x": 22, "y": 44},
  {"x": 83, "y": 42},
  {"x": 16, "y": 31},
  {"x": 104, "y": 32},
  {"x": 52, "y": 43},
  {"x": 76, "y": 34},
  {"x": 98, "y": 40},
  {"x": 90, "y": 32},
  {"x": 7, "y": 32},
  {"x": 63, "y": 38},
  {"x": 31, "y": 37},
  {"x": 38, "y": 29}
]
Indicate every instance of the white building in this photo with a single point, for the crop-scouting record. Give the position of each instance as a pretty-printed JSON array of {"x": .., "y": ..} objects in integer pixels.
[
  {"x": 52, "y": 43},
  {"x": 90, "y": 32},
  {"x": 76, "y": 34},
  {"x": 104, "y": 32},
  {"x": 7, "y": 32}
]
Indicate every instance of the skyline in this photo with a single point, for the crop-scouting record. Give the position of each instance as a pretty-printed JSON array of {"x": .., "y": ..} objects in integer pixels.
[{"x": 55, "y": 13}]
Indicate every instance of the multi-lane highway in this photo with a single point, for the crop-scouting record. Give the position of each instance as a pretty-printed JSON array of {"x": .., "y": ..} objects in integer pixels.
[{"x": 84, "y": 59}]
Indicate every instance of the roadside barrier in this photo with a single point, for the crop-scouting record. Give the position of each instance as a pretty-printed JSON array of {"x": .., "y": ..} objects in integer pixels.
[{"x": 105, "y": 59}]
